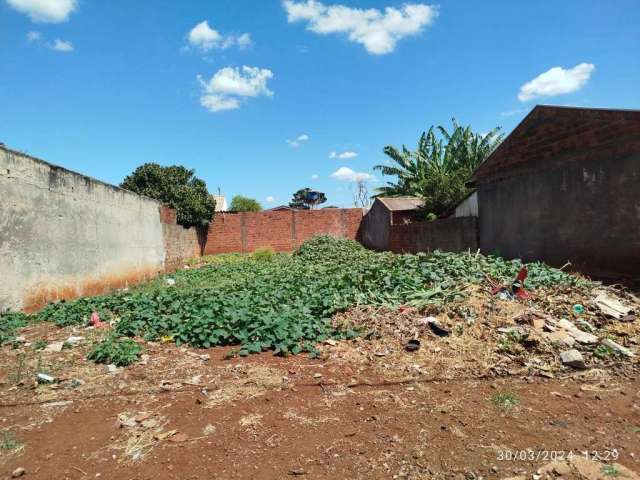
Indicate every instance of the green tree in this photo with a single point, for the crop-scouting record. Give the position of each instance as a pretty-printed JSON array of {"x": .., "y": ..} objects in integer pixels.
[
  {"x": 439, "y": 167},
  {"x": 305, "y": 198},
  {"x": 244, "y": 204},
  {"x": 177, "y": 187}
]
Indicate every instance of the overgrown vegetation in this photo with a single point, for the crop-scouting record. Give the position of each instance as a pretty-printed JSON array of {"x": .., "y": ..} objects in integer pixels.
[
  {"x": 118, "y": 351},
  {"x": 177, "y": 187},
  {"x": 439, "y": 167},
  {"x": 10, "y": 322},
  {"x": 284, "y": 303}
]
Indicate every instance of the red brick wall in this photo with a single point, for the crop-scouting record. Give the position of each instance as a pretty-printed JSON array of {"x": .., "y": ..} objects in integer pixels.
[
  {"x": 281, "y": 230},
  {"x": 224, "y": 234},
  {"x": 564, "y": 187},
  {"x": 447, "y": 234},
  {"x": 167, "y": 215}
]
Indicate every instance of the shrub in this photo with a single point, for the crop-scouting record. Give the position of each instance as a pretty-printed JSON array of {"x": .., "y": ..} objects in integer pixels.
[
  {"x": 263, "y": 254},
  {"x": 9, "y": 323},
  {"x": 119, "y": 351}
]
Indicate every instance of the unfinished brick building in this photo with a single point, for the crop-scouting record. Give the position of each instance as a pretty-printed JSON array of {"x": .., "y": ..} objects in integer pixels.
[{"x": 564, "y": 186}]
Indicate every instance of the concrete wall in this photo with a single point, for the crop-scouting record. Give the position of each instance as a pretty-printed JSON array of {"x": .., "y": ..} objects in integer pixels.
[
  {"x": 63, "y": 235},
  {"x": 447, "y": 234},
  {"x": 375, "y": 227},
  {"x": 280, "y": 230}
]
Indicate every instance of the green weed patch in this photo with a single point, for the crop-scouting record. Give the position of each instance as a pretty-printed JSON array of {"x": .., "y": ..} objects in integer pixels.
[{"x": 285, "y": 303}]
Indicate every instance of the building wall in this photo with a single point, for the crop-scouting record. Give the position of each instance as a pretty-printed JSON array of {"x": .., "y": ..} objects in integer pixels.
[
  {"x": 375, "y": 227},
  {"x": 180, "y": 244},
  {"x": 63, "y": 234},
  {"x": 563, "y": 186},
  {"x": 447, "y": 234},
  {"x": 281, "y": 230},
  {"x": 585, "y": 212},
  {"x": 468, "y": 207}
]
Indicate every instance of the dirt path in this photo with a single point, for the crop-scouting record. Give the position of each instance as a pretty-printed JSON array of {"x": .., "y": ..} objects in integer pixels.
[{"x": 313, "y": 426}]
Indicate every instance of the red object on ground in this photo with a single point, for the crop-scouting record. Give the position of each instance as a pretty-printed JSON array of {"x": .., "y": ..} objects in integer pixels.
[
  {"x": 96, "y": 322},
  {"x": 518, "y": 285},
  {"x": 497, "y": 289},
  {"x": 522, "y": 275}
]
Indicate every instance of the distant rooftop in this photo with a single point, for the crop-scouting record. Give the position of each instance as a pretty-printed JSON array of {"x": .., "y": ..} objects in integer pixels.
[{"x": 395, "y": 204}]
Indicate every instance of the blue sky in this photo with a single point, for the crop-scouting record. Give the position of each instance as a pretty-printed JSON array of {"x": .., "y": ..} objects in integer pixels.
[{"x": 102, "y": 87}]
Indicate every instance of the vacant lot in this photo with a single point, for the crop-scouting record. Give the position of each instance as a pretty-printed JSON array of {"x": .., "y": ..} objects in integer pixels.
[{"x": 405, "y": 366}]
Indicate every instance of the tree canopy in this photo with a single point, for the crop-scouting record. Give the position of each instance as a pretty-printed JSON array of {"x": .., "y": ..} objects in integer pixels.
[
  {"x": 439, "y": 167},
  {"x": 177, "y": 187},
  {"x": 244, "y": 204},
  {"x": 305, "y": 198}
]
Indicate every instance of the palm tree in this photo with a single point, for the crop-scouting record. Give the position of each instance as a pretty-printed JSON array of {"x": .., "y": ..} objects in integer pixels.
[
  {"x": 411, "y": 167},
  {"x": 439, "y": 167}
]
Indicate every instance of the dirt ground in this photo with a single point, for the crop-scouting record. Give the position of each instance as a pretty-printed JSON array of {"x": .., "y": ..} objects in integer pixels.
[
  {"x": 488, "y": 399},
  {"x": 185, "y": 417}
]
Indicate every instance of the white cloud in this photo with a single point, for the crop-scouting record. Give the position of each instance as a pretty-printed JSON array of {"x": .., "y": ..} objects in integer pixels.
[
  {"x": 206, "y": 38},
  {"x": 270, "y": 199},
  {"x": 46, "y": 11},
  {"x": 315, "y": 176},
  {"x": 377, "y": 31},
  {"x": 61, "y": 46},
  {"x": 33, "y": 36},
  {"x": 345, "y": 174},
  {"x": 218, "y": 103},
  {"x": 244, "y": 40},
  {"x": 299, "y": 140},
  {"x": 228, "y": 85},
  {"x": 57, "y": 45},
  {"x": 556, "y": 81},
  {"x": 343, "y": 155}
]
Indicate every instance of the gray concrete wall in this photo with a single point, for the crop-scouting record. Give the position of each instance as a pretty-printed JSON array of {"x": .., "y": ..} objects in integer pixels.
[
  {"x": 64, "y": 235},
  {"x": 586, "y": 212},
  {"x": 374, "y": 230}
]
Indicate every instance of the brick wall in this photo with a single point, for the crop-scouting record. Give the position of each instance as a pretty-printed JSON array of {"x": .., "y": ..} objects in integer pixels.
[
  {"x": 447, "y": 234},
  {"x": 180, "y": 243},
  {"x": 281, "y": 230},
  {"x": 564, "y": 187}
]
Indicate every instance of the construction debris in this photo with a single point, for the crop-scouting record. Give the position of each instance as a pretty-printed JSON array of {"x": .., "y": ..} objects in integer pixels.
[
  {"x": 54, "y": 347},
  {"x": 45, "y": 378},
  {"x": 616, "y": 347},
  {"x": 612, "y": 307},
  {"x": 572, "y": 358},
  {"x": 436, "y": 328}
]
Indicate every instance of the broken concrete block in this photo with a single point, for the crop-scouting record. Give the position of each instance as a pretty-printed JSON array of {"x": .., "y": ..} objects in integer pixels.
[
  {"x": 572, "y": 358},
  {"x": 617, "y": 347},
  {"x": 561, "y": 336},
  {"x": 583, "y": 337},
  {"x": 54, "y": 347},
  {"x": 566, "y": 324},
  {"x": 611, "y": 307}
]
